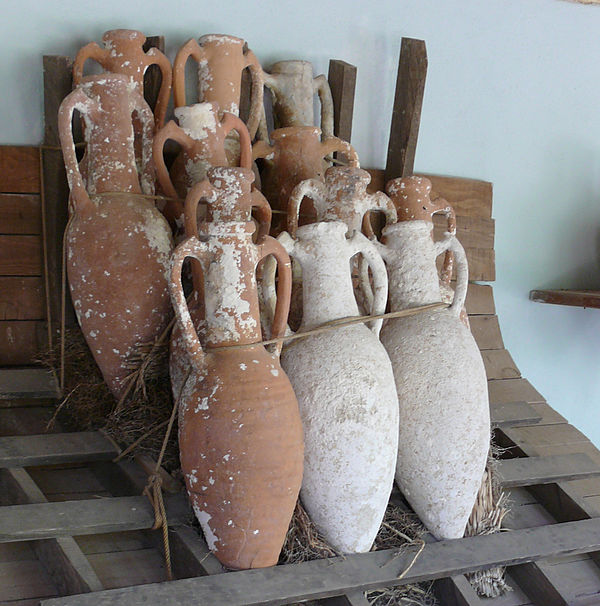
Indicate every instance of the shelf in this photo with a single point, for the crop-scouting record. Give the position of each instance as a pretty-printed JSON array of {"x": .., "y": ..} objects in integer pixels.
[{"x": 574, "y": 298}]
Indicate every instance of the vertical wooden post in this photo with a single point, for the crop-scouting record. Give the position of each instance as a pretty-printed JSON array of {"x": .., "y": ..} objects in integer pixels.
[
  {"x": 57, "y": 85},
  {"x": 342, "y": 82},
  {"x": 406, "y": 115}
]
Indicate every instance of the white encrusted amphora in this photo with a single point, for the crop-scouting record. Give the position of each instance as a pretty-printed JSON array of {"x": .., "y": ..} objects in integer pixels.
[
  {"x": 444, "y": 433},
  {"x": 345, "y": 388}
]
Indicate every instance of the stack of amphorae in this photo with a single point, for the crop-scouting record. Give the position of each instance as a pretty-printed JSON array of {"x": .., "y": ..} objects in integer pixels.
[{"x": 333, "y": 416}]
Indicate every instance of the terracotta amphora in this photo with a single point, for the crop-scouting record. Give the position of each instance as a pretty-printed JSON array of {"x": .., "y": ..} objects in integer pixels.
[
  {"x": 442, "y": 387},
  {"x": 412, "y": 198},
  {"x": 297, "y": 153},
  {"x": 240, "y": 434},
  {"x": 221, "y": 60},
  {"x": 345, "y": 388},
  {"x": 202, "y": 134},
  {"x": 118, "y": 245},
  {"x": 293, "y": 89},
  {"x": 228, "y": 196},
  {"x": 123, "y": 53}
]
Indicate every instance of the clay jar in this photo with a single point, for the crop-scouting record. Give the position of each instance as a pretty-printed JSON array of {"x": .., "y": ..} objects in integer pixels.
[
  {"x": 344, "y": 384},
  {"x": 412, "y": 198},
  {"x": 297, "y": 154},
  {"x": 117, "y": 246},
  {"x": 202, "y": 133},
  {"x": 240, "y": 433},
  {"x": 228, "y": 197},
  {"x": 441, "y": 382},
  {"x": 123, "y": 53},
  {"x": 221, "y": 60},
  {"x": 293, "y": 89}
]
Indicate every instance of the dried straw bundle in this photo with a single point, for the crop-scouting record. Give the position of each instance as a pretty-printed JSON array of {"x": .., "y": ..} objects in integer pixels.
[{"x": 142, "y": 414}]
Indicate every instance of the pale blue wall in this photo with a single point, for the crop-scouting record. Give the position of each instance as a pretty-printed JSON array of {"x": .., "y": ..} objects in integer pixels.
[{"x": 512, "y": 96}]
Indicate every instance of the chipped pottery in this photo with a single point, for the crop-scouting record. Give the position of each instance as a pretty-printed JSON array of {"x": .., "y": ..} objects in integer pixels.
[
  {"x": 228, "y": 196},
  {"x": 293, "y": 89},
  {"x": 345, "y": 388},
  {"x": 440, "y": 378},
  {"x": 297, "y": 154},
  {"x": 123, "y": 53},
  {"x": 117, "y": 246},
  {"x": 221, "y": 60},
  {"x": 240, "y": 433}
]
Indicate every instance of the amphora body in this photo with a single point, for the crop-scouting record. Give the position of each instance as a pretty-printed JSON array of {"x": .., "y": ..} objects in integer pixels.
[
  {"x": 123, "y": 53},
  {"x": 444, "y": 425},
  {"x": 118, "y": 244},
  {"x": 293, "y": 88},
  {"x": 344, "y": 384},
  {"x": 240, "y": 433}
]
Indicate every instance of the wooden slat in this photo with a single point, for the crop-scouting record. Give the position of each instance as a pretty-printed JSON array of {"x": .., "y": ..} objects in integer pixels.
[
  {"x": 54, "y": 449},
  {"x": 323, "y": 578},
  {"x": 468, "y": 197},
  {"x": 574, "y": 298},
  {"x": 499, "y": 364},
  {"x": 513, "y": 390},
  {"x": 24, "y": 581},
  {"x": 544, "y": 435},
  {"x": 342, "y": 82},
  {"x": 20, "y": 256},
  {"x": 20, "y": 341},
  {"x": 511, "y": 414},
  {"x": 480, "y": 300},
  {"x": 472, "y": 232},
  {"x": 20, "y": 214},
  {"x": 527, "y": 471},
  {"x": 27, "y": 383},
  {"x": 22, "y": 298},
  {"x": 486, "y": 331},
  {"x": 406, "y": 114},
  {"x": 19, "y": 170},
  {"x": 127, "y": 568},
  {"x": 548, "y": 414},
  {"x": 94, "y": 516},
  {"x": 482, "y": 264}
]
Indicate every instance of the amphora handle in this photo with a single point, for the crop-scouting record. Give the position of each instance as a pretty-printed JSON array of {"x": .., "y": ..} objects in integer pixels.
[
  {"x": 321, "y": 88},
  {"x": 360, "y": 244},
  {"x": 450, "y": 243},
  {"x": 76, "y": 100},
  {"x": 378, "y": 201},
  {"x": 444, "y": 208},
  {"x": 156, "y": 57},
  {"x": 90, "y": 51},
  {"x": 309, "y": 187},
  {"x": 194, "y": 248},
  {"x": 329, "y": 145},
  {"x": 190, "y": 49},
  {"x": 256, "y": 92}
]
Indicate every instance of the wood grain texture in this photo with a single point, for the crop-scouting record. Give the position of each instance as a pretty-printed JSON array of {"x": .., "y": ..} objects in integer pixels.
[
  {"x": 22, "y": 298},
  {"x": 20, "y": 214},
  {"x": 406, "y": 113},
  {"x": 499, "y": 364},
  {"x": 20, "y": 256},
  {"x": 486, "y": 331},
  {"x": 573, "y": 298},
  {"x": 513, "y": 390},
  {"x": 324, "y": 578},
  {"x": 19, "y": 170},
  {"x": 472, "y": 232},
  {"x": 480, "y": 300},
  {"x": 511, "y": 414},
  {"x": 31, "y": 383},
  {"x": 342, "y": 82},
  {"x": 20, "y": 341}
]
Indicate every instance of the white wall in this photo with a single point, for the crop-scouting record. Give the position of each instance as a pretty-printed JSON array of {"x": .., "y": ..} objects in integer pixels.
[{"x": 512, "y": 96}]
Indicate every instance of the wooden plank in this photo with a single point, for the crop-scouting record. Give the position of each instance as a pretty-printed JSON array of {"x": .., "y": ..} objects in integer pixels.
[
  {"x": 482, "y": 264},
  {"x": 468, "y": 197},
  {"x": 27, "y": 383},
  {"x": 191, "y": 555},
  {"x": 54, "y": 449},
  {"x": 549, "y": 415},
  {"x": 545, "y": 435},
  {"x": 20, "y": 256},
  {"x": 342, "y": 82},
  {"x": 472, "y": 232},
  {"x": 72, "y": 518},
  {"x": 513, "y": 390},
  {"x": 406, "y": 114},
  {"x": 65, "y": 562},
  {"x": 499, "y": 364},
  {"x": 545, "y": 470},
  {"x": 480, "y": 300},
  {"x": 20, "y": 213},
  {"x": 57, "y": 85},
  {"x": 324, "y": 578},
  {"x": 20, "y": 421},
  {"x": 127, "y": 568},
  {"x": 486, "y": 332},
  {"x": 22, "y": 298},
  {"x": 19, "y": 169},
  {"x": 25, "y": 580},
  {"x": 511, "y": 414},
  {"x": 574, "y": 298},
  {"x": 20, "y": 341}
]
